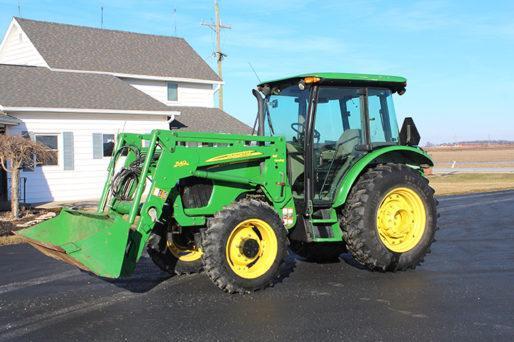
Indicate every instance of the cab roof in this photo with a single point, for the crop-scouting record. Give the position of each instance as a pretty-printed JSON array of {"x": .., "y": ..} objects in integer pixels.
[{"x": 340, "y": 78}]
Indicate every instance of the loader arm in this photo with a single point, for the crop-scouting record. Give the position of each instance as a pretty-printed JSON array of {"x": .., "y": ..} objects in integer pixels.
[{"x": 234, "y": 164}]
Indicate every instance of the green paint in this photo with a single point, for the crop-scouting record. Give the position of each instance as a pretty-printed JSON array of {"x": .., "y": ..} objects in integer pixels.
[
  {"x": 105, "y": 244},
  {"x": 110, "y": 242},
  {"x": 339, "y": 76},
  {"x": 333, "y": 221},
  {"x": 406, "y": 154}
]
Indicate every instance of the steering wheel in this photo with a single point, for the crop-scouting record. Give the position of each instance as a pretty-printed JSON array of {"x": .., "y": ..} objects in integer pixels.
[{"x": 300, "y": 129}]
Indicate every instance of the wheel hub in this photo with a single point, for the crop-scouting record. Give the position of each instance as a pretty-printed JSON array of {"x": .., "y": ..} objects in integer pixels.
[
  {"x": 184, "y": 253},
  {"x": 250, "y": 248},
  {"x": 401, "y": 219}
]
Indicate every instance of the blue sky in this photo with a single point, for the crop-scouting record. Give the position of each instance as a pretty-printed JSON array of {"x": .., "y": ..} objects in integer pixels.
[{"x": 458, "y": 56}]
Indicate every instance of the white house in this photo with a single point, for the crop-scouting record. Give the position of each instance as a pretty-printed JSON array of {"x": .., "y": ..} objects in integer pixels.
[{"x": 74, "y": 88}]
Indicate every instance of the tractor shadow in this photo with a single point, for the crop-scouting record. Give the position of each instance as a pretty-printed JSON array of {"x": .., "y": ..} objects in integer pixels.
[
  {"x": 145, "y": 277},
  {"x": 344, "y": 257}
]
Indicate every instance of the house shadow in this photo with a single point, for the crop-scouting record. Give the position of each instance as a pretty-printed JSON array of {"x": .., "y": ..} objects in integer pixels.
[{"x": 33, "y": 181}]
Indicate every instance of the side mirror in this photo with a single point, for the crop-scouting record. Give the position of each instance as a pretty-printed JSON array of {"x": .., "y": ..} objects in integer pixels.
[{"x": 409, "y": 134}]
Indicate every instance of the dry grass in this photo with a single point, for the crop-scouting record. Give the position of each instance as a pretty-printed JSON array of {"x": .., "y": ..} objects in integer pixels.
[
  {"x": 479, "y": 155},
  {"x": 10, "y": 240},
  {"x": 471, "y": 182}
]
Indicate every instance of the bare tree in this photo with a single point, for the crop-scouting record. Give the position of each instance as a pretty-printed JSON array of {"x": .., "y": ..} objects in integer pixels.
[{"x": 15, "y": 153}]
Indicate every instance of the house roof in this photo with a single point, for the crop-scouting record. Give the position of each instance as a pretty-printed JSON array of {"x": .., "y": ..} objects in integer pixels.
[
  {"x": 39, "y": 87},
  {"x": 8, "y": 120},
  {"x": 201, "y": 119},
  {"x": 91, "y": 49}
]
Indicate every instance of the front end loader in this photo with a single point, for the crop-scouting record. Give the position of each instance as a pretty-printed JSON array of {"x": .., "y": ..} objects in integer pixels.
[{"x": 327, "y": 171}]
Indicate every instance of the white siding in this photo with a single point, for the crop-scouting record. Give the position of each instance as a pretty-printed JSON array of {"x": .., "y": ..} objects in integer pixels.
[
  {"x": 189, "y": 94},
  {"x": 52, "y": 183},
  {"x": 17, "y": 48}
]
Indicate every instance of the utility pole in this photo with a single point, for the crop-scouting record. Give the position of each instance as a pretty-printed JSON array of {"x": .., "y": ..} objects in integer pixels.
[
  {"x": 217, "y": 26},
  {"x": 101, "y": 17}
]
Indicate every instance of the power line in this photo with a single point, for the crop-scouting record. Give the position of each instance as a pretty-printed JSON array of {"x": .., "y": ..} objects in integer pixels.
[{"x": 217, "y": 26}]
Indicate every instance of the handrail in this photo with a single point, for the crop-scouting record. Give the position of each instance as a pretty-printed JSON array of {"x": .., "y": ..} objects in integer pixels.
[{"x": 142, "y": 181}]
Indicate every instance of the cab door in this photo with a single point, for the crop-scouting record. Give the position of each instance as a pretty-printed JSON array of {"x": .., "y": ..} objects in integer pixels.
[{"x": 337, "y": 138}]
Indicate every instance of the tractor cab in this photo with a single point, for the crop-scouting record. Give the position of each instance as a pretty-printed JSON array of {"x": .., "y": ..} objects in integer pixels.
[{"x": 329, "y": 120}]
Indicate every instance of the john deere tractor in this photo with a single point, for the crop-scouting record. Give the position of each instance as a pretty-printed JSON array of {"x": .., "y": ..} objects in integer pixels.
[{"x": 326, "y": 171}]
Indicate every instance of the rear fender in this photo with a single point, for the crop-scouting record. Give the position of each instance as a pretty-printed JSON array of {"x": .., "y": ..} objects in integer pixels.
[{"x": 413, "y": 156}]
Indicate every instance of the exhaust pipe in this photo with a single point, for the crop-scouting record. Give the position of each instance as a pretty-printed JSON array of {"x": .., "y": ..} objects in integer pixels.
[{"x": 260, "y": 112}]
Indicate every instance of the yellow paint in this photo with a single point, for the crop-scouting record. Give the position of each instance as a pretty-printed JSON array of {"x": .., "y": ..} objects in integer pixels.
[
  {"x": 263, "y": 234},
  {"x": 181, "y": 163},
  {"x": 279, "y": 160},
  {"x": 184, "y": 253},
  {"x": 401, "y": 220},
  {"x": 242, "y": 154}
]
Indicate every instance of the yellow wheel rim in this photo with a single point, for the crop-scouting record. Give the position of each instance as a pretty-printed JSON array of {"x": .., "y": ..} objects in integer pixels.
[
  {"x": 182, "y": 253},
  {"x": 251, "y": 248},
  {"x": 401, "y": 219}
]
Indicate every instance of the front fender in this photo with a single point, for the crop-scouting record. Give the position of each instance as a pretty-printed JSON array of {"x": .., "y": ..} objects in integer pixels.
[{"x": 391, "y": 154}]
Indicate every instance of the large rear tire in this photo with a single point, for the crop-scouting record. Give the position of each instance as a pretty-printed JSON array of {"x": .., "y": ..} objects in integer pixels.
[
  {"x": 390, "y": 218},
  {"x": 244, "y": 247}
]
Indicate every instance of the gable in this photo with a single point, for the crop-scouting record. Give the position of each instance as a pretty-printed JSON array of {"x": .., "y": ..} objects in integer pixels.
[
  {"x": 70, "y": 47},
  {"x": 16, "y": 48}
]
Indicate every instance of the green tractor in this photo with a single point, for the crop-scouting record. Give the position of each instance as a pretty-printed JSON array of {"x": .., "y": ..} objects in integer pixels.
[{"x": 328, "y": 171}]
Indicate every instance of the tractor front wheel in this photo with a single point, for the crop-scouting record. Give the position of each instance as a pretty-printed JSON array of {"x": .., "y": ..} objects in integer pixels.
[
  {"x": 244, "y": 247},
  {"x": 390, "y": 219}
]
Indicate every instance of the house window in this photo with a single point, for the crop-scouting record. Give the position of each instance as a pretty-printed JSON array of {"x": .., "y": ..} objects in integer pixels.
[
  {"x": 50, "y": 141},
  {"x": 172, "y": 91},
  {"x": 108, "y": 144}
]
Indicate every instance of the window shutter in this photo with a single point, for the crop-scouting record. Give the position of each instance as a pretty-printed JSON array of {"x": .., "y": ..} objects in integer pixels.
[
  {"x": 98, "y": 149},
  {"x": 68, "y": 151}
]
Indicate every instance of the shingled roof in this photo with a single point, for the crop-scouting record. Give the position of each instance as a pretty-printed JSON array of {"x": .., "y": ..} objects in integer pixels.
[
  {"x": 39, "y": 87},
  {"x": 91, "y": 49},
  {"x": 201, "y": 119}
]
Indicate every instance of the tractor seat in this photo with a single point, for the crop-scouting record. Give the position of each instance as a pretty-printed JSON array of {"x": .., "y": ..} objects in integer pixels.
[
  {"x": 295, "y": 166},
  {"x": 347, "y": 142}
]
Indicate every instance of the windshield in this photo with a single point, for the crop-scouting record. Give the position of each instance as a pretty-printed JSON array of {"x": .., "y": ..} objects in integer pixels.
[
  {"x": 339, "y": 109},
  {"x": 383, "y": 127},
  {"x": 288, "y": 110}
]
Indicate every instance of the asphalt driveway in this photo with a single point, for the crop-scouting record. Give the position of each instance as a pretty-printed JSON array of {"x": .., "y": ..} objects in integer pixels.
[{"x": 463, "y": 291}]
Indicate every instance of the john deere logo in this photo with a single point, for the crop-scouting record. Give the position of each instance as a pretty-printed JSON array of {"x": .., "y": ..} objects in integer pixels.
[
  {"x": 243, "y": 154},
  {"x": 181, "y": 163}
]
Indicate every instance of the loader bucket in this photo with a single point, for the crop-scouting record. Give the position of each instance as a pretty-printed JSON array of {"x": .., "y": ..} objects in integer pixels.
[{"x": 92, "y": 242}]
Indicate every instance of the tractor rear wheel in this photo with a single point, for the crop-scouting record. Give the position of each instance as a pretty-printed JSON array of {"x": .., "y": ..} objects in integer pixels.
[
  {"x": 176, "y": 254},
  {"x": 390, "y": 219},
  {"x": 244, "y": 247}
]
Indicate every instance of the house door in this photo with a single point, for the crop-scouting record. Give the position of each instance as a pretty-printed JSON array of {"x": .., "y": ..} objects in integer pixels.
[{"x": 3, "y": 179}]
